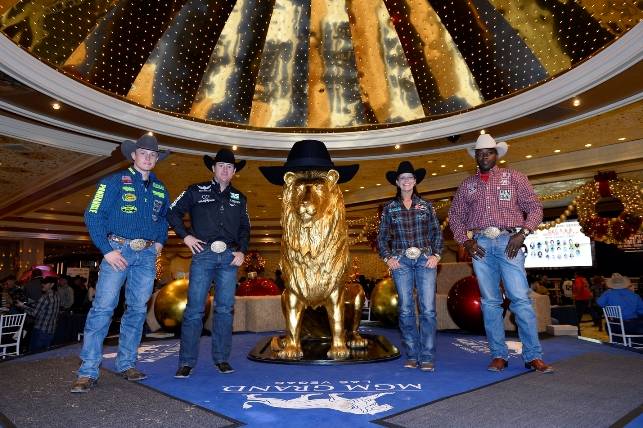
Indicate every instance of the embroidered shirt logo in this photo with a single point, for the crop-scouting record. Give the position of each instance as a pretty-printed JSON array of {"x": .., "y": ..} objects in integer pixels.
[
  {"x": 504, "y": 195},
  {"x": 129, "y": 197},
  {"x": 126, "y": 179},
  {"x": 128, "y": 209},
  {"x": 98, "y": 198},
  {"x": 234, "y": 196},
  {"x": 204, "y": 188}
]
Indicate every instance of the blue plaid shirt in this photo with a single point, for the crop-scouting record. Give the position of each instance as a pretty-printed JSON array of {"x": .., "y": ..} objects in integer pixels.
[{"x": 401, "y": 228}]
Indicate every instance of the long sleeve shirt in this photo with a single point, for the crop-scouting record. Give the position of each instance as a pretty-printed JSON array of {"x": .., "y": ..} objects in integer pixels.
[
  {"x": 215, "y": 215},
  {"x": 631, "y": 303},
  {"x": 402, "y": 228},
  {"x": 45, "y": 312},
  {"x": 127, "y": 206},
  {"x": 506, "y": 200}
]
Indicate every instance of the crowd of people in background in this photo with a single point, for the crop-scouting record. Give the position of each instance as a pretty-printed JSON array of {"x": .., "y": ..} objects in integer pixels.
[{"x": 43, "y": 299}]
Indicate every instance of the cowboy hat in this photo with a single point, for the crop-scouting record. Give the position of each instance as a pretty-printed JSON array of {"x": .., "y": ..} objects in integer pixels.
[
  {"x": 405, "y": 167},
  {"x": 618, "y": 281},
  {"x": 145, "y": 141},
  {"x": 306, "y": 155},
  {"x": 223, "y": 155},
  {"x": 486, "y": 141}
]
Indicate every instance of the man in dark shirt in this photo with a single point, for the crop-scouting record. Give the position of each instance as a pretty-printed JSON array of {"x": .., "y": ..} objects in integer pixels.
[
  {"x": 218, "y": 238},
  {"x": 45, "y": 313},
  {"x": 33, "y": 287}
]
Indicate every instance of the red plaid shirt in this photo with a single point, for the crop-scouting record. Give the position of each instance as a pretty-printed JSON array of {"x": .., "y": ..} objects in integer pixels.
[{"x": 506, "y": 200}]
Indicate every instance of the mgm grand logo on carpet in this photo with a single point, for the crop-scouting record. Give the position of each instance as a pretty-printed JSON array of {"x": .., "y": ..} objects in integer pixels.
[{"x": 338, "y": 396}]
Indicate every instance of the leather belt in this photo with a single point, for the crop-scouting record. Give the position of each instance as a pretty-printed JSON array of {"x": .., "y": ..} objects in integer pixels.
[
  {"x": 492, "y": 232},
  {"x": 135, "y": 244}
]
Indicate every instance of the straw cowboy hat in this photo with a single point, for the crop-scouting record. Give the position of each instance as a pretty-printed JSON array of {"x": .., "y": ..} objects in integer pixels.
[
  {"x": 223, "y": 155},
  {"x": 403, "y": 168},
  {"x": 486, "y": 141},
  {"x": 147, "y": 142},
  {"x": 308, "y": 155},
  {"x": 618, "y": 281}
]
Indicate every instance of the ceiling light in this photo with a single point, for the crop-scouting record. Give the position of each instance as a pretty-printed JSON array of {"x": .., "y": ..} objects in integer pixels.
[
  {"x": 442, "y": 166},
  {"x": 87, "y": 196},
  {"x": 435, "y": 173},
  {"x": 482, "y": 132},
  {"x": 55, "y": 106},
  {"x": 557, "y": 151},
  {"x": 429, "y": 161},
  {"x": 378, "y": 184},
  {"x": 528, "y": 156},
  {"x": 503, "y": 161},
  {"x": 234, "y": 147},
  {"x": 588, "y": 145},
  {"x": 67, "y": 202},
  {"x": 455, "y": 170},
  {"x": 397, "y": 147},
  {"x": 622, "y": 139},
  {"x": 267, "y": 234},
  {"x": 575, "y": 102},
  {"x": 345, "y": 190},
  {"x": 361, "y": 187},
  {"x": 150, "y": 133},
  {"x": 173, "y": 163},
  {"x": 460, "y": 166}
]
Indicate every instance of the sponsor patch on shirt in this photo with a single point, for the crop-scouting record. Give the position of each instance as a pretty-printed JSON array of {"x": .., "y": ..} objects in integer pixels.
[
  {"x": 128, "y": 209},
  {"x": 128, "y": 189},
  {"x": 129, "y": 197},
  {"x": 205, "y": 199},
  {"x": 204, "y": 188},
  {"x": 126, "y": 179},
  {"x": 158, "y": 194},
  {"x": 504, "y": 182},
  {"x": 98, "y": 198},
  {"x": 158, "y": 186},
  {"x": 234, "y": 196},
  {"x": 504, "y": 195}
]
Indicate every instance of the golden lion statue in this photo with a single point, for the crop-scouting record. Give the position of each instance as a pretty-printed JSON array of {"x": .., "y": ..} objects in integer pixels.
[{"x": 314, "y": 257}]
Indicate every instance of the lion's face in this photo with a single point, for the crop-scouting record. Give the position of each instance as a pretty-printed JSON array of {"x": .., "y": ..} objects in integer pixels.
[{"x": 311, "y": 195}]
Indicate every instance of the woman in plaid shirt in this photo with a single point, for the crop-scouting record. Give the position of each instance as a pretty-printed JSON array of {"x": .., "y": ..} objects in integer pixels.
[
  {"x": 410, "y": 242},
  {"x": 46, "y": 315}
]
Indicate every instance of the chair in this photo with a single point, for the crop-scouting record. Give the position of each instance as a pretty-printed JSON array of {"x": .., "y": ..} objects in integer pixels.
[
  {"x": 11, "y": 333},
  {"x": 615, "y": 328}
]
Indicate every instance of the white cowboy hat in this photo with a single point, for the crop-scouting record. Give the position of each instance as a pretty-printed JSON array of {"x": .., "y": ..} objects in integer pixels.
[
  {"x": 618, "y": 281},
  {"x": 486, "y": 141}
]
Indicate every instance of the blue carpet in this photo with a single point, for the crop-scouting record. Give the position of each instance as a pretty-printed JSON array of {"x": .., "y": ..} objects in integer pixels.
[{"x": 290, "y": 395}]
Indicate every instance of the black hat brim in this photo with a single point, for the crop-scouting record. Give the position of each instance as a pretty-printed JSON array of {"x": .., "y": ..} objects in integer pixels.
[
  {"x": 420, "y": 173},
  {"x": 209, "y": 162},
  {"x": 275, "y": 174},
  {"x": 128, "y": 147}
]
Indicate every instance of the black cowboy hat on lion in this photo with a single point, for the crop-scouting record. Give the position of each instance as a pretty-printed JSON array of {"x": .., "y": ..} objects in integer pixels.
[{"x": 307, "y": 155}]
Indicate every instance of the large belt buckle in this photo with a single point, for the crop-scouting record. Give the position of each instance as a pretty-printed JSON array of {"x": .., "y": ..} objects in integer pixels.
[
  {"x": 491, "y": 232},
  {"x": 218, "y": 246},
  {"x": 412, "y": 253},
  {"x": 137, "y": 244}
]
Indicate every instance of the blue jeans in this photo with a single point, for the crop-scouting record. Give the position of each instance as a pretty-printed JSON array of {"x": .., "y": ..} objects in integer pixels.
[
  {"x": 40, "y": 340},
  {"x": 206, "y": 267},
  {"x": 140, "y": 274},
  {"x": 495, "y": 265},
  {"x": 418, "y": 343}
]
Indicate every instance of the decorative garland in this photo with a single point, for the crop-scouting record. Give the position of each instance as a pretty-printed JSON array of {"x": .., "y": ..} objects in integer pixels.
[{"x": 615, "y": 229}]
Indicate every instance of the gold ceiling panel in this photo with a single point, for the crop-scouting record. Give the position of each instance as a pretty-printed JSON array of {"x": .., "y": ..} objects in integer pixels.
[{"x": 327, "y": 65}]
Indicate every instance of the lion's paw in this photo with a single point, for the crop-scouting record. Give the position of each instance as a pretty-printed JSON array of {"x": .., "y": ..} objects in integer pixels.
[
  {"x": 338, "y": 352},
  {"x": 357, "y": 342},
  {"x": 290, "y": 353}
]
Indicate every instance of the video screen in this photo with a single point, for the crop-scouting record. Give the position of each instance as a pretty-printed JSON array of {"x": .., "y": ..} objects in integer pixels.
[{"x": 561, "y": 246}]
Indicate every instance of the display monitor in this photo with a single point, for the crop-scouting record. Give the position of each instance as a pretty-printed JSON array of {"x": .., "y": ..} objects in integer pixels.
[{"x": 563, "y": 245}]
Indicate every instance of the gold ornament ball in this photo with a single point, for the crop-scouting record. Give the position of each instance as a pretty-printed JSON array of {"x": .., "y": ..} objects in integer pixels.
[
  {"x": 170, "y": 304},
  {"x": 384, "y": 302}
]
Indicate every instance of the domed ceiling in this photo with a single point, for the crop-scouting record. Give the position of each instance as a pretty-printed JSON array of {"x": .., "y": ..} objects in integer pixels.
[{"x": 315, "y": 65}]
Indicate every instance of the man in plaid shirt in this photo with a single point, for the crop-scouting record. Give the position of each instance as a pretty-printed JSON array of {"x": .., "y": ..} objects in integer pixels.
[
  {"x": 491, "y": 214},
  {"x": 46, "y": 314},
  {"x": 410, "y": 242}
]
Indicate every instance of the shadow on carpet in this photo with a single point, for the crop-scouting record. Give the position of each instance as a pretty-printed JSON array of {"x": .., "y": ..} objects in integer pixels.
[
  {"x": 594, "y": 389},
  {"x": 36, "y": 394}
]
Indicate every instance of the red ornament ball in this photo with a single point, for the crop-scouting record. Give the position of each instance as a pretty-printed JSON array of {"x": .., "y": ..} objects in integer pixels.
[{"x": 258, "y": 287}]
